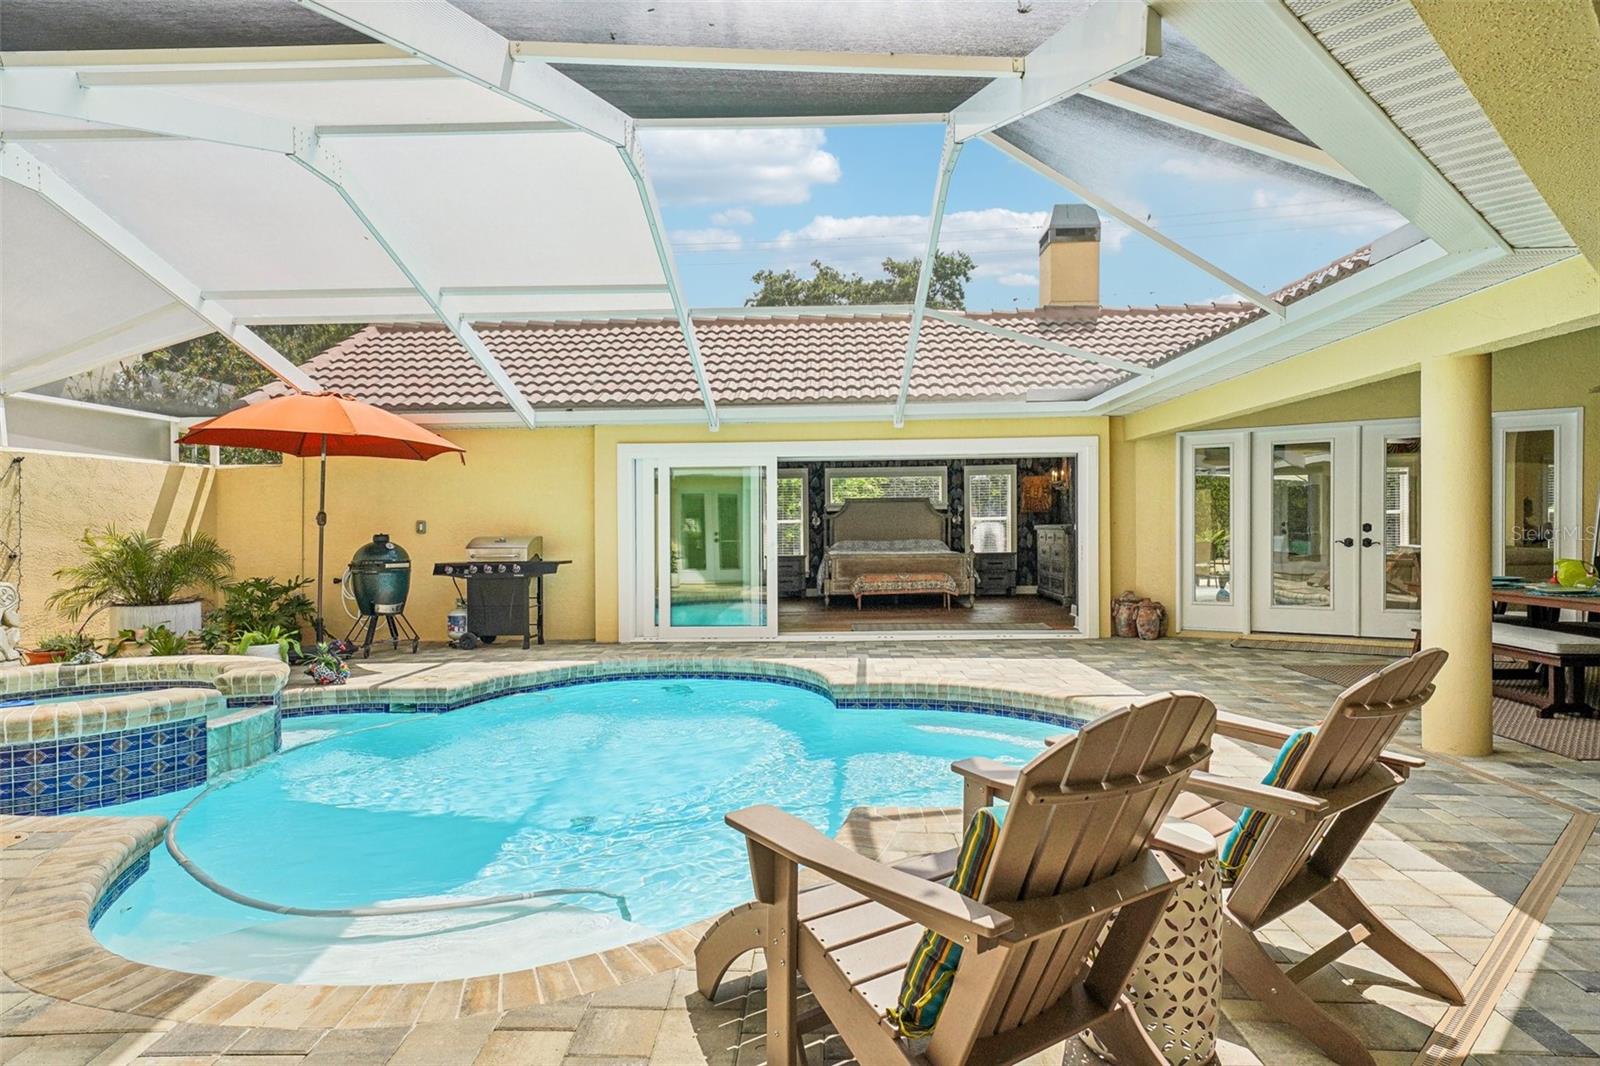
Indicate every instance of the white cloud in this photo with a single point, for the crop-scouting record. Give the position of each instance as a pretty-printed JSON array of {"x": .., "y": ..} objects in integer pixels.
[
  {"x": 711, "y": 239},
  {"x": 733, "y": 216},
  {"x": 1018, "y": 280},
  {"x": 1317, "y": 209},
  {"x": 999, "y": 240},
  {"x": 721, "y": 166}
]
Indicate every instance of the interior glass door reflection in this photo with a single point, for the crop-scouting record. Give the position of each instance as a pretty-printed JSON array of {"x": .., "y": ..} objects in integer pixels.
[{"x": 716, "y": 572}]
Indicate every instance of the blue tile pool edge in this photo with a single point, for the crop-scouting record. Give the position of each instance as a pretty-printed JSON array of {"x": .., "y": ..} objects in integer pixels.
[
  {"x": 119, "y": 884},
  {"x": 996, "y": 708}
]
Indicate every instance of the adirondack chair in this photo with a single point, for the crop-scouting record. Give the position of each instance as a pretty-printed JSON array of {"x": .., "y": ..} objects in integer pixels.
[
  {"x": 1072, "y": 869},
  {"x": 1329, "y": 801}
]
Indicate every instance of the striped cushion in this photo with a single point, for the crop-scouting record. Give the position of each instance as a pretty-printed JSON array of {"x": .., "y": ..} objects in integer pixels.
[
  {"x": 933, "y": 965},
  {"x": 1247, "y": 832}
]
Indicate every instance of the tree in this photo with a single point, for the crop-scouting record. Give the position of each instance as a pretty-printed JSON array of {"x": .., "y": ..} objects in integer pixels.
[{"x": 829, "y": 286}]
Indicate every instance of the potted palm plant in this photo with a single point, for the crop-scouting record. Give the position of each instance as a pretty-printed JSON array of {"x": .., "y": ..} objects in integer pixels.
[{"x": 142, "y": 581}]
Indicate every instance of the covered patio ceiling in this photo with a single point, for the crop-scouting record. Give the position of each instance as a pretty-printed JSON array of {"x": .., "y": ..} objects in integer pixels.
[{"x": 204, "y": 165}]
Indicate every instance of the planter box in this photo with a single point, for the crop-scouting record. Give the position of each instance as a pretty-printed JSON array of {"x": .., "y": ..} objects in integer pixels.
[
  {"x": 182, "y": 618},
  {"x": 265, "y": 651}
]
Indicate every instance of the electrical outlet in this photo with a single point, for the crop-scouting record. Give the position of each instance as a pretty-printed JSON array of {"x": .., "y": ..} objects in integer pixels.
[{"x": 422, "y": 525}]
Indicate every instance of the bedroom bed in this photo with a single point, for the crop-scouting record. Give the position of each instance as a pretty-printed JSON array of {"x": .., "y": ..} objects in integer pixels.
[{"x": 890, "y": 537}]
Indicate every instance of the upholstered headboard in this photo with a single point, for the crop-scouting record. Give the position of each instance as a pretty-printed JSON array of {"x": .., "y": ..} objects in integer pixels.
[{"x": 888, "y": 520}]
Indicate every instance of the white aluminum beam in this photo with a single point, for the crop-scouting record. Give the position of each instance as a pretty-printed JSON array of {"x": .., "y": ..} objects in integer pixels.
[
  {"x": 904, "y": 64},
  {"x": 317, "y": 158},
  {"x": 21, "y": 167},
  {"x": 1225, "y": 130},
  {"x": 919, "y": 303},
  {"x": 1035, "y": 341},
  {"x": 450, "y": 38},
  {"x": 1138, "y": 225},
  {"x": 57, "y": 92},
  {"x": 1102, "y": 41}
]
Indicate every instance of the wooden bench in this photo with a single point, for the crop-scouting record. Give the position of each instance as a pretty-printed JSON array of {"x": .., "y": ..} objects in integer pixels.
[
  {"x": 896, "y": 584},
  {"x": 1557, "y": 652}
]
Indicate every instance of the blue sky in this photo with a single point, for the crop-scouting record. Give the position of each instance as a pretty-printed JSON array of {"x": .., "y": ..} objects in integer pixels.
[{"x": 737, "y": 201}]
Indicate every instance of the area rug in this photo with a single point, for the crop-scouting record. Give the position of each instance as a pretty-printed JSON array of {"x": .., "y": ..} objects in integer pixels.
[
  {"x": 1335, "y": 647},
  {"x": 950, "y": 627},
  {"x": 1572, "y": 737},
  {"x": 1344, "y": 674}
]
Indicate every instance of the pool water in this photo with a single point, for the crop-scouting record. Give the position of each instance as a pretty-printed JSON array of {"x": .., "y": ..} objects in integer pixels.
[
  {"x": 719, "y": 613},
  {"x": 617, "y": 785}
]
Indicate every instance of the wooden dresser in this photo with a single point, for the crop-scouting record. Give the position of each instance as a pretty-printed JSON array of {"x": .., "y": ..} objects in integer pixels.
[{"x": 1055, "y": 562}]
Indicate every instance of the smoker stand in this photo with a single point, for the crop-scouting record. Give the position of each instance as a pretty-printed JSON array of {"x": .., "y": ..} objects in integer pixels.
[{"x": 400, "y": 632}]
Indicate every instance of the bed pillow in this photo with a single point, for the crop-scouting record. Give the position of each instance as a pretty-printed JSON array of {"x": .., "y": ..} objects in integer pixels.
[
  {"x": 1252, "y": 824},
  {"x": 933, "y": 964}
]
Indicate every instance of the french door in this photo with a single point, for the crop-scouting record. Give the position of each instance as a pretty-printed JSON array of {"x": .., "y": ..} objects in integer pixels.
[
  {"x": 1337, "y": 529},
  {"x": 703, "y": 559}
]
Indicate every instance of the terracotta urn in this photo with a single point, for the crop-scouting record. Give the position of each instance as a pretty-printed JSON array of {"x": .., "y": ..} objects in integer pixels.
[
  {"x": 1124, "y": 611},
  {"x": 1150, "y": 620}
]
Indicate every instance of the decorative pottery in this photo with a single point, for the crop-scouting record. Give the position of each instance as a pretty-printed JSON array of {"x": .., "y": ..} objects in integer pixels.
[
  {"x": 1150, "y": 621},
  {"x": 1124, "y": 612},
  {"x": 33, "y": 657},
  {"x": 323, "y": 674}
]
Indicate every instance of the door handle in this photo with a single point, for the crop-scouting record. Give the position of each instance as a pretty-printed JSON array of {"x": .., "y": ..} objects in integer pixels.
[
  {"x": 1367, "y": 542},
  {"x": 1348, "y": 542}
]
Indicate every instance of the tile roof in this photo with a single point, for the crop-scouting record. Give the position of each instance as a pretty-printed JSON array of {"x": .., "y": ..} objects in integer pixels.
[{"x": 810, "y": 357}]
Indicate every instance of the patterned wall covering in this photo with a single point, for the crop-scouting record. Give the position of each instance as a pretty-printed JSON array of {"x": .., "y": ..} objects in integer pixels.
[{"x": 1063, "y": 511}]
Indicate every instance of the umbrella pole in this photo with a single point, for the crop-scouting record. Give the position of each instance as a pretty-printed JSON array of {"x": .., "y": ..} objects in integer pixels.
[{"x": 322, "y": 530}]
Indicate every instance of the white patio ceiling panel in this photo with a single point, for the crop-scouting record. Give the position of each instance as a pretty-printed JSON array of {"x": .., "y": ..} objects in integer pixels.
[
  {"x": 70, "y": 302},
  {"x": 227, "y": 218},
  {"x": 512, "y": 211},
  {"x": 418, "y": 94}
]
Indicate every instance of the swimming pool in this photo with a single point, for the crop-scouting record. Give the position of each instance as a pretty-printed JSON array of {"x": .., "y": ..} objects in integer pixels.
[{"x": 617, "y": 785}]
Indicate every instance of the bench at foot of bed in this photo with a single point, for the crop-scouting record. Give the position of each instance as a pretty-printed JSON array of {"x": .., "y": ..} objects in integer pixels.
[{"x": 896, "y": 584}]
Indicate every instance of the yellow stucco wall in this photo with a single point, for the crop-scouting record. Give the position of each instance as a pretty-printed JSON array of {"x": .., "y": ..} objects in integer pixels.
[
  {"x": 513, "y": 482},
  {"x": 64, "y": 495},
  {"x": 607, "y": 438}
]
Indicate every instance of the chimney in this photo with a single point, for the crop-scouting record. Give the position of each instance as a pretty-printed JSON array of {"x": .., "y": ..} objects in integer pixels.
[{"x": 1069, "y": 258}]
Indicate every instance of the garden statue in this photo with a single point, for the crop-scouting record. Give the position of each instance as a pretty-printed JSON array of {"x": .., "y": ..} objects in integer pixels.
[{"x": 10, "y": 623}]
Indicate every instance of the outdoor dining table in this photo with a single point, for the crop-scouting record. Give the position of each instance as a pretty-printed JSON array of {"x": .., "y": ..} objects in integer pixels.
[{"x": 1544, "y": 610}]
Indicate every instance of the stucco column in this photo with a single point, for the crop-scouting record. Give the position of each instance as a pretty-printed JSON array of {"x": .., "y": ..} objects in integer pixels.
[{"x": 1457, "y": 484}]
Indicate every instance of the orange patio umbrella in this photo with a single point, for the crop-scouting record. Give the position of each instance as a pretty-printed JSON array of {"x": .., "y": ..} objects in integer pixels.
[{"x": 320, "y": 424}]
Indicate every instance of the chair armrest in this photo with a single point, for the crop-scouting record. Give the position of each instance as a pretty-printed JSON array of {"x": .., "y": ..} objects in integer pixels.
[
  {"x": 937, "y": 906},
  {"x": 1251, "y": 730},
  {"x": 1268, "y": 798},
  {"x": 1404, "y": 763},
  {"x": 1152, "y": 872},
  {"x": 991, "y": 772}
]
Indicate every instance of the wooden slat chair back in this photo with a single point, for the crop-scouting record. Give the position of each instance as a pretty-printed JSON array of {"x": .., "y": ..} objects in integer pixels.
[
  {"x": 1063, "y": 915},
  {"x": 1327, "y": 804},
  {"x": 1342, "y": 761},
  {"x": 1081, "y": 811}
]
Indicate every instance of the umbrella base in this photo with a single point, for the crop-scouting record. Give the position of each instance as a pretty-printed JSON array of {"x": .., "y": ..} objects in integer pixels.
[{"x": 400, "y": 632}]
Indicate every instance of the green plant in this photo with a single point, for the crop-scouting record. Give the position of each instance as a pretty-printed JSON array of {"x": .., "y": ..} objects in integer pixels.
[
  {"x": 288, "y": 644},
  {"x": 67, "y": 644},
  {"x": 162, "y": 641},
  {"x": 133, "y": 569},
  {"x": 260, "y": 604}
]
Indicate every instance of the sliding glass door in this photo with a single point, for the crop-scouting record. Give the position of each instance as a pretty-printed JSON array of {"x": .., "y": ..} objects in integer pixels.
[{"x": 704, "y": 564}]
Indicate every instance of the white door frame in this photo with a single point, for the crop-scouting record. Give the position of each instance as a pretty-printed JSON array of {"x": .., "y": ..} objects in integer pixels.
[
  {"x": 1377, "y": 620},
  {"x": 1233, "y": 616},
  {"x": 1342, "y": 615},
  {"x": 1567, "y": 422},
  {"x": 632, "y": 625}
]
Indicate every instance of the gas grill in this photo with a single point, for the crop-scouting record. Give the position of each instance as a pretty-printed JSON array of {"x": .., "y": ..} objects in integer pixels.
[{"x": 498, "y": 573}]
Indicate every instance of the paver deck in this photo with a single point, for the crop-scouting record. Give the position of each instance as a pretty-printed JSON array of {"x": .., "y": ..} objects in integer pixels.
[{"x": 1490, "y": 865}]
